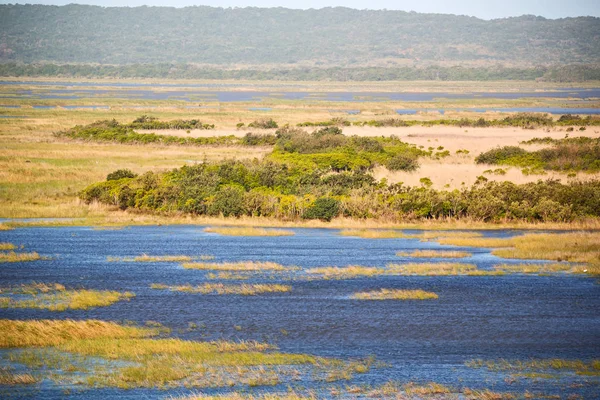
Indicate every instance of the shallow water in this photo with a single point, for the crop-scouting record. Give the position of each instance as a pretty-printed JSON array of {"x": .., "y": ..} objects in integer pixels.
[{"x": 510, "y": 317}]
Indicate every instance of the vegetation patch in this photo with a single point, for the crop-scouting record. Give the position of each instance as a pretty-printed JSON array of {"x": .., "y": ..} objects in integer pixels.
[
  {"x": 9, "y": 378},
  {"x": 574, "y": 247},
  {"x": 12, "y": 256},
  {"x": 434, "y": 254},
  {"x": 147, "y": 258},
  {"x": 538, "y": 268},
  {"x": 432, "y": 269},
  {"x": 539, "y": 368},
  {"x": 568, "y": 154},
  {"x": 395, "y": 294},
  {"x": 4, "y": 227},
  {"x": 7, "y": 246},
  {"x": 346, "y": 272},
  {"x": 68, "y": 351},
  {"x": 248, "y": 231},
  {"x": 55, "y": 297},
  {"x": 238, "y": 266},
  {"x": 221, "y": 288},
  {"x": 377, "y": 234}
]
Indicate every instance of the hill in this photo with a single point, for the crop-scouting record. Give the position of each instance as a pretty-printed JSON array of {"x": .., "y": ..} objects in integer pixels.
[{"x": 279, "y": 36}]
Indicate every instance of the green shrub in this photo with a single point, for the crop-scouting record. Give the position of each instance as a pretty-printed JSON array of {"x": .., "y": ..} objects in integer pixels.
[
  {"x": 263, "y": 124},
  {"x": 324, "y": 208},
  {"x": 402, "y": 162},
  {"x": 120, "y": 174}
]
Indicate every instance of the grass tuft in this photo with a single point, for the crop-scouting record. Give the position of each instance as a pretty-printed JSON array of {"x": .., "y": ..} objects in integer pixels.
[
  {"x": 377, "y": 234},
  {"x": 248, "y": 231},
  {"x": 395, "y": 294},
  {"x": 432, "y": 269},
  {"x": 221, "y": 288},
  {"x": 238, "y": 266},
  {"x": 11, "y": 257},
  {"x": 7, "y": 246},
  {"x": 434, "y": 254}
]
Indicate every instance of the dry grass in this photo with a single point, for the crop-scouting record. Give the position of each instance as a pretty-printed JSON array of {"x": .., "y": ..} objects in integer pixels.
[
  {"x": 7, "y": 377},
  {"x": 537, "y": 268},
  {"x": 13, "y": 257},
  {"x": 576, "y": 247},
  {"x": 350, "y": 271},
  {"x": 432, "y": 269},
  {"x": 376, "y": 234},
  {"x": 238, "y": 266},
  {"x": 248, "y": 231},
  {"x": 62, "y": 300},
  {"x": 4, "y": 227},
  {"x": 395, "y": 294},
  {"x": 54, "y": 332},
  {"x": 437, "y": 235},
  {"x": 7, "y": 246},
  {"x": 223, "y": 289},
  {"x": 434, "y": 254}
]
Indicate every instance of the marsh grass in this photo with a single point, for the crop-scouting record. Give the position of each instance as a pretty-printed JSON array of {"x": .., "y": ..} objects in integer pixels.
[
  {"x": 395, "y": 294},
  {"x": 246, "y": 396},
  {"x": 575, "y": 247},
  {"x": 228, "y": 276},
  {"x": 432, "y": 269},
  {"x": 238, "y": 266},
  {"x": 55, "y": 297},
  {"x": 13, "y": 257},
  {"x": 167, "y": 258},
  {"x": 248, "y": 231},
  {"x": 377, "y": 234},
  {"x": 104, "y": 354},
  {"x": 4, "y": 227},
  {"x": 539, "y": 368},
  {"x": 349, "y": 271},
  {"x": 537, "y": 268},
  {"x": 7, "y": 246},
  {"x": 9, "y": 378},
  {"x": 434, "y": 254},
  {"x": 223, "y": 289}
]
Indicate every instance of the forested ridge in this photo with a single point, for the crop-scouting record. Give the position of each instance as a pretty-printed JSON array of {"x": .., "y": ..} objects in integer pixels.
[{"x": 253, "y": 36}]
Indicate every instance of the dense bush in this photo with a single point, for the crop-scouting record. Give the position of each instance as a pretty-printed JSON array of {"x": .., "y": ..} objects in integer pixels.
[
  {"x": 289, "y": 191},
  {"x": 120, "y": 174},
  {"x": 263, "y": 124},
  {"x": 500, "y": 155}
]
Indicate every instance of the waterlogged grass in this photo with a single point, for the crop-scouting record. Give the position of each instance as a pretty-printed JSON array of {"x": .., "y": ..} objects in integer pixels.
[
  {"x": 246, "y": 396},
  {"x": 12, "y": 257},
  {"x": 537, "y": 268},
  {"x": 377, "y": 234},
  {"x": 421, "y": 269},
  {"x": 575, "y": 247},
  {"x": 238, "y": 266},
  {"x": 9, "y": 378},
  {"x": 222, "y": 289},
  {"x": 34, "y": 333},
  {"x": 395, "y": 294},
  {"x": 248, "y": 231},
  {"x": 7, "y": 246},
  {"x": 55, "y": 297},
  {"x": 540, "y": 368},
  {"x": 434, "y": 254},
  {"x": 104, "y": 354},
  {"x": 167, "y": 258}
]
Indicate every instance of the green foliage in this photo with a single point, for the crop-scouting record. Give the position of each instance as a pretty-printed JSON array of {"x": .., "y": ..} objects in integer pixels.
[
  {"x": 290, "y": 191},
  {"x": 402, "y": 162},
  {"x": 120, "y": 174},
  {"x": 206, "y": 35},
  {"x": 324, "y": 208},
  {"x": 263, "y": 124},
  {"x": 568, "y": 154}
]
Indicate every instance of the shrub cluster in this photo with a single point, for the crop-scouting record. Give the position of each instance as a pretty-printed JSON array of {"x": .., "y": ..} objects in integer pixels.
[
  {"x": 287, "y": 191},
  {"x": 568, "y": 154},
  {"x": 146, "y": 122}
]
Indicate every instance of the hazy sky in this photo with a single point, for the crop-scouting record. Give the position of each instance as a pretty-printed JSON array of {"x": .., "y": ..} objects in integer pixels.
[{"x": 480, "y": 8}]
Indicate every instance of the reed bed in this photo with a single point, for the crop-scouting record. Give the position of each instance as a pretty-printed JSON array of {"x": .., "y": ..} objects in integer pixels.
[
  {"x": 538, "y": 268},
  {"x": 65, "y": 350},
  {"x": 12, "y": 257},
  {"x": 223, "y": 289},
  {"x": 238, "y": 266},
  {"x": 434, "y": 254},
  {"x": 395, "y": 294},
  {"x": 33, "y": 333},
  {"x": 476, "y": 242},
  {"x": 68, "y": 300},
  {"x": 9, "y": 378},
  {"x": 430, "y": 269},
  {"x": 377, "y": 234},
  {"x": 536, "y": 367},
  {"x": 248, "y": 231},
  {"x": 7, "y": 246},
  {"x": 4, "y": 227},
  {"x": 350, "y": 271}
]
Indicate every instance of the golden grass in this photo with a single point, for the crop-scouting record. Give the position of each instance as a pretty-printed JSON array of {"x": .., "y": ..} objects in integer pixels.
[
  {"x": 7, "y": 377},
  {"x": 349, "y": 271},
  {"x": 448, "y": 234},
  {"x": 34, "y": 333},
  {"x": 246, "y": 396},
  {"x": 68, "y": 300},
  {"x": 429, "y": 389},
  {"x": 228, "y": 276},
  {"x": 248, "y": 231},
  {"x": 395, "y": 294},
  {"x": 4, "y": 227},
  {"x": 169, "y": 258},
  {"x": 7, "y": 246},
  {"x": 576, "y": 247},
  {"x": 376, "y": 234},
  {"x": 434, "y": 254},
  {"x": 428, "y": 269},
  {"x": 222, "y": 289},
  {"x": 538, "y": 368},
  {"x": 12, "y": 257},
  {"x": 538, "y": 268},
  {"x": 238, "y": 266}
]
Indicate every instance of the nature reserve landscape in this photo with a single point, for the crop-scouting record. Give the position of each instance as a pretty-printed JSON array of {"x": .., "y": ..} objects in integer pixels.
[{"x": 239, "y": 201}]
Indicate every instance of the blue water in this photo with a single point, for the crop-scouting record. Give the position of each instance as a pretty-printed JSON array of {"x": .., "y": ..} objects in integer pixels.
[{"x": 512, "y": 316}]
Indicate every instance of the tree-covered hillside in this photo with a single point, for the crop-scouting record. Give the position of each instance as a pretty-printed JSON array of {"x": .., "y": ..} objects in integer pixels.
[{"x": 330, "y": 36}]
